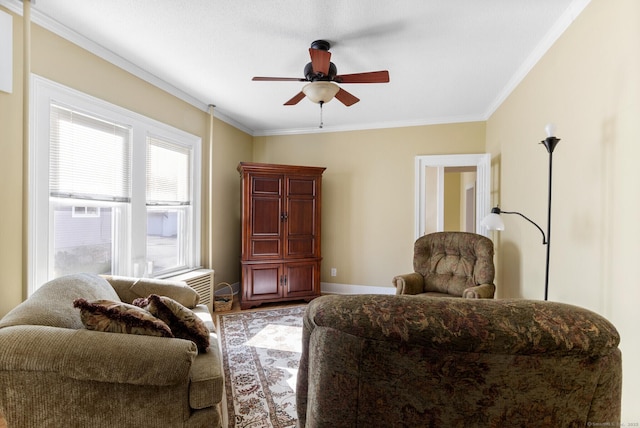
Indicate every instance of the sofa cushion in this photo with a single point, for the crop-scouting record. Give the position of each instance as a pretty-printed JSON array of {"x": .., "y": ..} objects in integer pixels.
[
  {"x": 130, "y": 289},
  {"x": 206, "y": 384},
  {"x": 118, "y": 317},
  {"x": 51, "y": 304},
  {"x": 207, "y": 376},
  {"x": 182, "y": 321}
]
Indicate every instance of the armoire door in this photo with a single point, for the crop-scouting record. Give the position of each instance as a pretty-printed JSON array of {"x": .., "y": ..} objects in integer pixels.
[
  {"x": 263, "y": 281},
  {"x": 266, "y": 217},
  {"x": 301, "y": 217},
  {"x": 301, "y": 278}
]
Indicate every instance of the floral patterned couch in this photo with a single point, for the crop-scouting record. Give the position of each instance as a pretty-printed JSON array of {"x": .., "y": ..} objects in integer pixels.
[{"x": 404, "y": 361}]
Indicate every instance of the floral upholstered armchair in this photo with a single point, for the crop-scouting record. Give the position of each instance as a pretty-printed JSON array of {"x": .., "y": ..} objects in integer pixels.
[
  {"x": 401, "y": 361},
  {"x": 450, "y": 264}
]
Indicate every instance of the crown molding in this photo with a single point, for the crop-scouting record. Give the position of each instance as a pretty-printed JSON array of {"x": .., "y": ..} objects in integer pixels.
[
  {"x": 72, "y": 36},
  {"x": 371, "y": 126}
]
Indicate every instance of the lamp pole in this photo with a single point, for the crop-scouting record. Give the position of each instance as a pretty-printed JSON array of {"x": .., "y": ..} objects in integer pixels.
[
  {"x": 550, "y": 143},
  {"x": 493, "y": 222}
]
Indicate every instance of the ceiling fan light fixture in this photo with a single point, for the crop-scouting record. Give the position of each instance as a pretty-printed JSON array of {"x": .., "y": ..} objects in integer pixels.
[{"x": 320, "y": 91}]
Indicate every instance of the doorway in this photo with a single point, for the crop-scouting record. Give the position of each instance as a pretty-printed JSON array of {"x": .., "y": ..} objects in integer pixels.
[{"x": 430, "y": 172}]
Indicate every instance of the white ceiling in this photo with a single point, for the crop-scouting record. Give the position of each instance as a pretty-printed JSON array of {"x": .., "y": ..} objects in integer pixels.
[{"x": 448, "y": 60}]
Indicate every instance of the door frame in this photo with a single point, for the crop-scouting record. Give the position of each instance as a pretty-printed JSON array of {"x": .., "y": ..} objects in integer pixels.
[{"x": 482, "y": 162}]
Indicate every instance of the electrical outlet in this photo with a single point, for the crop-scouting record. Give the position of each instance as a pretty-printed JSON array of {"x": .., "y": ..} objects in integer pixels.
[{"x": 334, "y": 272}]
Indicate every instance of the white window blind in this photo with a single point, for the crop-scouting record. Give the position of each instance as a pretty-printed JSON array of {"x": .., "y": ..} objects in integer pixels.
[
  {"x": 168, "y": 173},
  {"x": 110, "y": 191},
  {"x": 89, "y": 158}
]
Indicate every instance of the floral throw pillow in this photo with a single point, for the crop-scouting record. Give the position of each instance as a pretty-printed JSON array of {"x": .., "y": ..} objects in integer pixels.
[
  {"x": 184, "y": 323},
  {"x": 119, "y": 317}
]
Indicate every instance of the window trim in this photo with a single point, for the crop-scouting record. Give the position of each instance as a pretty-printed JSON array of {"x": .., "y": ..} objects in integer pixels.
[{"x": 43, "y": 93}]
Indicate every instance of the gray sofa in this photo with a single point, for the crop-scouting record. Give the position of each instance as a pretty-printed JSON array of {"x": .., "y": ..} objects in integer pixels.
[
  {"x": 56, "y": 373},
  {"x": 407, "y": 361}
]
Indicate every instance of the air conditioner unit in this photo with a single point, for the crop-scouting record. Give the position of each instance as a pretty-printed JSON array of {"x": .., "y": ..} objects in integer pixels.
[{"x": 200, "y": 280}]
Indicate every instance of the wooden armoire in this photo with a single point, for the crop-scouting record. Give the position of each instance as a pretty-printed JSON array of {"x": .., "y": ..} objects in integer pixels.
[{"x": 281, "y": 206}]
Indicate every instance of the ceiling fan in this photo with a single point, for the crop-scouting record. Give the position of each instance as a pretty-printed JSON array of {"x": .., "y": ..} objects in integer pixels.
[{"x": 321, "y": 74}]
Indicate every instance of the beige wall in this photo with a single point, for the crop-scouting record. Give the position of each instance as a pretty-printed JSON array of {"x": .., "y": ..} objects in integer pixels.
[
  {"x": 589, "y": 84},
  {"x": 59, "y": 60},
  {"x": 452, "y": 201},
  {"x": 467, "y": 180},
  {"x": 231, "y": 147},
  {"x": 11, "y": 218},
  {"x": 368, "y": 191}
]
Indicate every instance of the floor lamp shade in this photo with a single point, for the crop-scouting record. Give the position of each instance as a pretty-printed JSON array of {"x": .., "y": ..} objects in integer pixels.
[{"x": 493, "y": 221}]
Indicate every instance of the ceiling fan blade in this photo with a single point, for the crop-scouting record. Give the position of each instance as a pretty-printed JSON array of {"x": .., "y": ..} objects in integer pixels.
[
  {"x": 279, "y": 79},
  {"x": 320, "y": 61},
  {"x": 346, "y": 98},
  {"x": 296, "y": 99},
  {"x": 369, "y": 77}
]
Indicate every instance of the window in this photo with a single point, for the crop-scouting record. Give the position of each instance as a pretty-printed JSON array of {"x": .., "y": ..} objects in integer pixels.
[
  {"x": 168, "y": 205},
  {"x": 111, "y": 192}
]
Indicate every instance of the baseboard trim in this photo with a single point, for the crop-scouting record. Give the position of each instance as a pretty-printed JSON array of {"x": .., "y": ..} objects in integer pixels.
[{"x": 334, "y": 288}]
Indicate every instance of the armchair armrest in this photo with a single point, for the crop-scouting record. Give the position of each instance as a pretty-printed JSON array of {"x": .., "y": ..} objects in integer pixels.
[
  {"x": 482, "y": 291},
  {"x": 410, "y": 283},
  {"x": 96, "y": 356}
]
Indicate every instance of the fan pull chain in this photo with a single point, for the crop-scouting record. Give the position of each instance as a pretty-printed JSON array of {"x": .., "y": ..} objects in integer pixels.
[{"x": 321, "y": 121}]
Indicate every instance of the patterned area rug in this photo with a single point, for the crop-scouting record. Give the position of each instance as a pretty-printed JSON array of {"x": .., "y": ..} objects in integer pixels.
[{"x": 261, "y": 352}]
